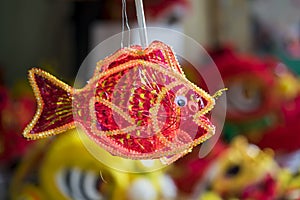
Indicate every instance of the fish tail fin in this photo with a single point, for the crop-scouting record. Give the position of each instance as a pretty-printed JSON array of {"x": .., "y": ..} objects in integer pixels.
[{"x": 54, "y": 106}]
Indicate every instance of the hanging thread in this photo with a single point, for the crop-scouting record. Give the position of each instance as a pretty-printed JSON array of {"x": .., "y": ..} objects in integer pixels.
[
  {"x": 125, "y": 23},
  {"x": 142, "y": 22}
]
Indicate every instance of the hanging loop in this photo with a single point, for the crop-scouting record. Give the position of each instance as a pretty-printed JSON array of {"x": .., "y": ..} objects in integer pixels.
[
  {"x": 125, "y": 22},
  {"x": 141, "y": 22}
]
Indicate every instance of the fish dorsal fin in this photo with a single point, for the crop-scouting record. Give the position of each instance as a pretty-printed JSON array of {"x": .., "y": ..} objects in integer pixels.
[{"x": 157, "y": 52}]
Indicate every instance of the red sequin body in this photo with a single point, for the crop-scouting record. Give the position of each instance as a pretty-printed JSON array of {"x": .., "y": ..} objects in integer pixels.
[{"x": 129, "y": 107}]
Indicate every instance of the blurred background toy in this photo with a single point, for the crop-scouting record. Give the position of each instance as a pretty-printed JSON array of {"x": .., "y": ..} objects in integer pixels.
[
  {"x": 62, "y": 168},
  {"x": 243, "y": 171},
  {"x": 251, "y": 105},
  {"x": 187, "y": 171},
  {"x": 16, "y": 109},
  {"x": 279, "y": 137},
  {"x": 239, "y": 170},
  {"x": 263, "y": 100}
]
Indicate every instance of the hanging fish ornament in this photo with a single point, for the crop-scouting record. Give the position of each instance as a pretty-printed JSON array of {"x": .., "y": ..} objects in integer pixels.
[{"x": 137, "y": 105}]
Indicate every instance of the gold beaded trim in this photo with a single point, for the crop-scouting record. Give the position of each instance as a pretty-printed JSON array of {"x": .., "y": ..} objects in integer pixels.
[
  {"x": 40, "y": 105},
  {"x": 115, "y": 109},
  {"x": 154, "y": 112},
  {"x": 94, "y": 128},
  {"x": 118, "y": 150}
]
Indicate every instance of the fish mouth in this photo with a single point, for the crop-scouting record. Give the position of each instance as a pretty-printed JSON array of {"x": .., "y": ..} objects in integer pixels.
[{"x": 203, "y": 121}]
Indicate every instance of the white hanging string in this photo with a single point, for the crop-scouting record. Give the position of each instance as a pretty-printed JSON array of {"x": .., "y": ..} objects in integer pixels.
[
  {"x": 125, "y": 23},
  {"x": 141, "y": 22}
]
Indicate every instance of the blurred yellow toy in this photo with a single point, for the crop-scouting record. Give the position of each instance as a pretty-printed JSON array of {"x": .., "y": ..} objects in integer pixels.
[
  {"x": 66, "y": 171},
  {"x": 242, "y": 164},
  {"x": 63, "y": 169},
  {"x": 243, "y": 171}
]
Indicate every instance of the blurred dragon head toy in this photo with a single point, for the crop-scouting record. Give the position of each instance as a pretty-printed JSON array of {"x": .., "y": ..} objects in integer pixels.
[
  {"x": 63, "y": 169},
  {"x": 251, "y": 105},
  {"x": 284, "y": 137},
  {"x": 242, "y": 165},
  {"x": 242, "y": 171},
  {"x": 248, "y": 79},
  {"x": 239, "y": 170},
  {"x": 263, "y": 100}
]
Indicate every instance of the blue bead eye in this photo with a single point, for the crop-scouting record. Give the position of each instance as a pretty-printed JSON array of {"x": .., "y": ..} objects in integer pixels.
[{"x": 181, "y": 101}]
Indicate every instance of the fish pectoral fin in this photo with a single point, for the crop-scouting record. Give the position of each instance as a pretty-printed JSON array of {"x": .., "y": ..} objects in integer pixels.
[{"x": 54, "y": 106}]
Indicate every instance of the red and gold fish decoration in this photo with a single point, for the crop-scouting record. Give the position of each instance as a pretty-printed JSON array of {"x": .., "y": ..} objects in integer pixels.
[{"x": 137, "y": 105}]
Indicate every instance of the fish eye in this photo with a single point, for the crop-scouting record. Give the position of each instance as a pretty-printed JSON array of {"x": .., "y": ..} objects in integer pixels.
[{"x": 181, "y": 101}]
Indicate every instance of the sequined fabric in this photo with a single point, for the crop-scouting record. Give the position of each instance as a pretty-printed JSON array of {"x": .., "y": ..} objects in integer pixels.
[{"x": 129, "y": 107}]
